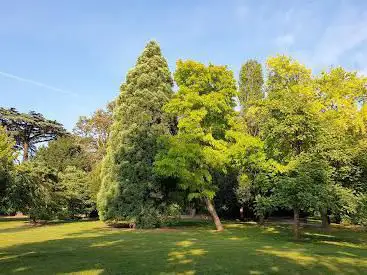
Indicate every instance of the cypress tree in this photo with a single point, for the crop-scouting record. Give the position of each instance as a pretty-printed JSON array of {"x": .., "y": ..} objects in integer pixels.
[
  {"x": 250, "y": 83},
  {"x": 130, "y": 190}
]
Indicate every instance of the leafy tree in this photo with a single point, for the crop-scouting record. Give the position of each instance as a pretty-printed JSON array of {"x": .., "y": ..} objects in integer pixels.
[
  {"x": 341, "y": 94},
  {"x": 7, "y": 157},
  {"x": 29, "y": 129},
  {"x": 94, "y": 181},
  {"x": 247, "y": 157},
  {"x": 64, "y": 152},
  {"x": 250, "y": 83},
  {"x": 94, "y": 131},
  {"x": 303, "y": 187},
  {"x": 204, "y": 105},
  {"x": 35, "y": 191},
  {"x": 290, "y": 113},
  {"x": 76, "y": 191},
  {"x": 250, "y": 92},
  {"x": 290, "y": 127},
  {"x": 130, "y": 189}
]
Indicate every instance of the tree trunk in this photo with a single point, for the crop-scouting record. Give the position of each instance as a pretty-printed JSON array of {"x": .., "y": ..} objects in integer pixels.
[
  {"x": 261, "y": 219},
  {"x": 33, "y": 219},
  {"x": 296, "y": 224},
  {"x": 213, "y": 213},
  {"x": 324, "y": 218},
  {"x": 193, "y": 212},
  {"x": 25, "y": 151}
]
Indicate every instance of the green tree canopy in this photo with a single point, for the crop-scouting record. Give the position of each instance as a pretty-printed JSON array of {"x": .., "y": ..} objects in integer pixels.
[
  {"x": 29, "y": 129},
  {"x": 35, "y": 191},
  {"x": 204, "y": 106},
  {"x": 7, "y": 157},
  {"x": 77, "y": 193},
  {"x": 93, "y": 131},
  {"x": 63, "y": 152},
  {"x": 129, "y": 188},
  {"x": 250, "y": 83}
]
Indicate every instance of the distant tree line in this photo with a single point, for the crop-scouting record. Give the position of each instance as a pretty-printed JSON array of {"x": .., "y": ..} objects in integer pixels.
[{"x": 297, "y": 143}]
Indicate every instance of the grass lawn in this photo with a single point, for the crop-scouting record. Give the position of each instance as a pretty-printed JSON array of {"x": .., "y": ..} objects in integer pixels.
[{"x": 92, "y": 248}]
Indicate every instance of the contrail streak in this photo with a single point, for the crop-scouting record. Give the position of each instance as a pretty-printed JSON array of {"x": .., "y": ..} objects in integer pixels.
[{"x": 39, "y": 84}]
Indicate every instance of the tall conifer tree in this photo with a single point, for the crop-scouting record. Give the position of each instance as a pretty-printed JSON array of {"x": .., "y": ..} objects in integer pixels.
[
  {"x": 250, "y": 83},
  {"x": 130, "y": 190}
]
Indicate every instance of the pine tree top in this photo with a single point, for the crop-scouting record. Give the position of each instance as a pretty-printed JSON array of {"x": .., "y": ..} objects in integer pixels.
[{"x": 151, "y": 49}]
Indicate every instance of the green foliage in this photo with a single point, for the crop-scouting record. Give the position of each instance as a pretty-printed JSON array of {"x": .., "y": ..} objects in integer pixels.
[
  {"x": 250, "y": 83},
  {"x": 35, "y": 191},
  {"x": 64, "y": 152},
  {"x": 361, "y": 210},
  {"x": 29, "y": 129},
  {"x": 204, "y": 107},
  {"x": 76, "y": 192},
  {"x": 7, "y": 157},
  {"x": 305, "y": 186},
  {"x": 299, "y": 142},
  {"x": 93, "y": 132},
  {"x": 310, "y": 126},
  {"x": 94, "y": 181},
  {"x": 290, "y": 113},
  {"x": 130, "y": 189}
]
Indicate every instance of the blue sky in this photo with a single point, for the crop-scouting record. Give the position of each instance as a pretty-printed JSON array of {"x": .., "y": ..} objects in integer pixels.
[{"x": 67, "y": 58}]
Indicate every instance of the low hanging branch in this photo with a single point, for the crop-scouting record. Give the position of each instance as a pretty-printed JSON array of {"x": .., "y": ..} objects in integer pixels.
[{"x": 29, "y": 129}]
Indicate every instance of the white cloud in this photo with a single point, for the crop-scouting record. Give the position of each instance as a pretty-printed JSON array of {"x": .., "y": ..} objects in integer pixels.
[
  {"x": 339, "y": 39},
  {"x": 342, "y": 36}
]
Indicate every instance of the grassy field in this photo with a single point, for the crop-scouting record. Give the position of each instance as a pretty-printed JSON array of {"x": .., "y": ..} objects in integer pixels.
[{"x": 92, "y": 248}]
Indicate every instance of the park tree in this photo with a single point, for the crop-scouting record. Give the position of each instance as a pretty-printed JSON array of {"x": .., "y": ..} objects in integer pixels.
[
  {"x": 290, "y": 118},
  {"x": 30, "y": 129},
  {"x": 130, "y": 190},
  {"x": 93, "y": 131},
  {"x": 246, "y": 156},
  {"x": 250, "y": 83},
  {"x": 290, "y": 113},
  {"x": 305, "y": 186},
  {"x": 63, "y": 152},
  {"x": 34, "y": 190},
  {"x": 204, "y": 106},
  {"x": 340, "y": 142},
  {"x": 74, "y": 184},
  {"x": 7, "y": 157}
]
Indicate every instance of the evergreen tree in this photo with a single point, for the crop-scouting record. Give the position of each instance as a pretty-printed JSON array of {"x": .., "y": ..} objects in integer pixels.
[
  {"x": 77, "y": 193},
  {"x": 29, "y": 129},
  {"x": 130, "y": 191}
]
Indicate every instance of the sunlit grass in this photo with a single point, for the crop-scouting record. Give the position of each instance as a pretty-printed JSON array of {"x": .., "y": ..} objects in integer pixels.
[{"x": 191, "y": 248}]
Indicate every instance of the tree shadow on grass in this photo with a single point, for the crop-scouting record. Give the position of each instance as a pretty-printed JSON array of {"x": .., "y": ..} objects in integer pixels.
[
  {"x": 244, "y": 250},
  {"x": 12, "y": 218}
]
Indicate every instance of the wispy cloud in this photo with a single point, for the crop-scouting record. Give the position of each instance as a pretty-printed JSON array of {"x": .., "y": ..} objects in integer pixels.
[
  {"x": 339, "y": 39},
  {"x": 39, "y": 84}
]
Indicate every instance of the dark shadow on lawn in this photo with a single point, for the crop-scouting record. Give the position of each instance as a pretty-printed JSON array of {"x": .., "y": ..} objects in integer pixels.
[{"x": 12, "y": 218}]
